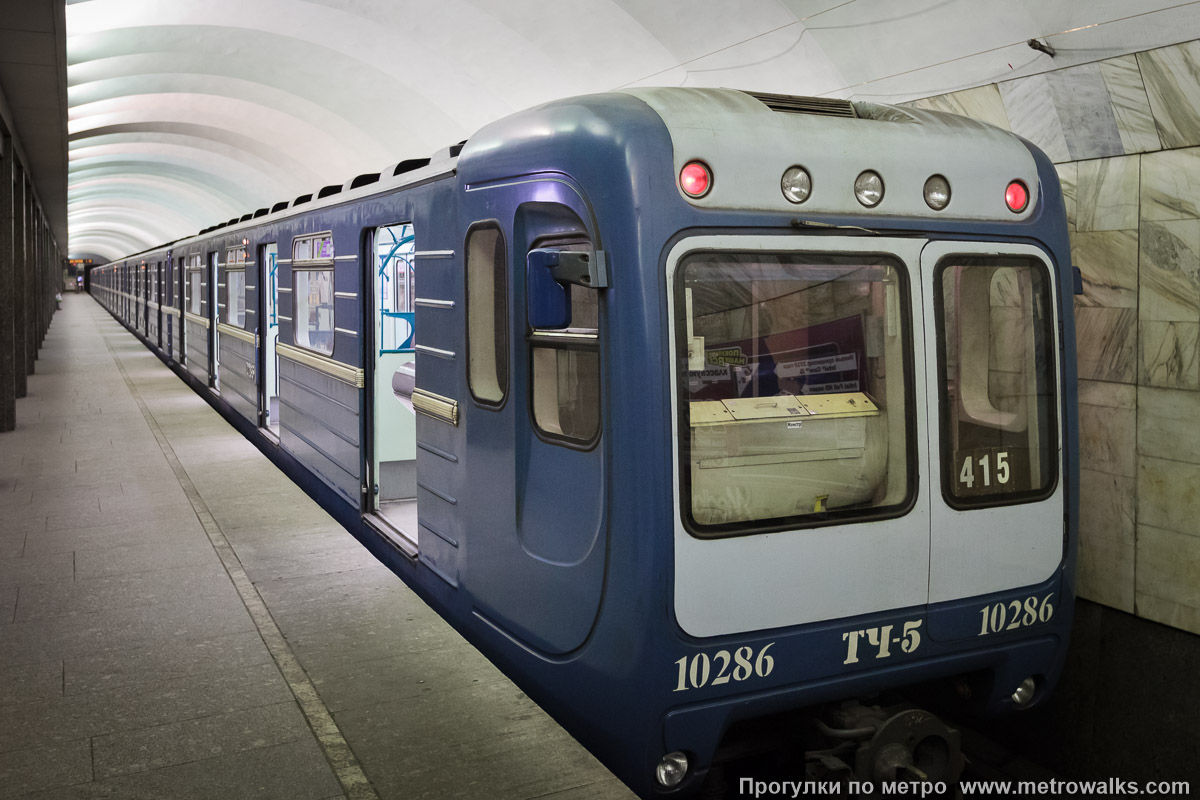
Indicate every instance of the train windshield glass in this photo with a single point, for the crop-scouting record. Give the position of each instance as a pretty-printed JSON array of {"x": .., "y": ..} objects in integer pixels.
[
  {"x": 794, "y": 382},
  {"x": 999, "y": 434}
]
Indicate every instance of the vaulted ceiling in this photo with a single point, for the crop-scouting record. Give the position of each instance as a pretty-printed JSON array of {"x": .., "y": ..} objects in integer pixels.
[{"x": 185, "y": 113}]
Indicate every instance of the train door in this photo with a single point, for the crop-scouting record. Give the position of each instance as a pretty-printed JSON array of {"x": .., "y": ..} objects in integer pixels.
[
  {"x": 214, "y": 314},
  {"x": 534, "y": 419},
  {"x": 993, "y": 372},
  {"x": 801, "y": 424},
  {"x": 268, "y": 315},
  {"x": 392, "y": 423}
]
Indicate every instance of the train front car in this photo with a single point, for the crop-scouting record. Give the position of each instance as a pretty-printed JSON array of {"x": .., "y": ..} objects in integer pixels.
[{"x": 805, "y": 419}]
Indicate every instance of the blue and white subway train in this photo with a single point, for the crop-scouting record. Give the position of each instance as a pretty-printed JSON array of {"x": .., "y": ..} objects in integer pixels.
[{"x": 690, "y": 408}]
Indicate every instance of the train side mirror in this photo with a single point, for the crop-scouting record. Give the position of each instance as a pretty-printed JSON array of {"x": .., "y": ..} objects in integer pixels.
[{"x": 547, "y": 276}]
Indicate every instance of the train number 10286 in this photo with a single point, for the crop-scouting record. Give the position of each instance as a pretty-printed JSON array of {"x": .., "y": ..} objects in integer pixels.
[
  {"x": 700, "y": 670},
  {"x": 1015, "y": 614}
]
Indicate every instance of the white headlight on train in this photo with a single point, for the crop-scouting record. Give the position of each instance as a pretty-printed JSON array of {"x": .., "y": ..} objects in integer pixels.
[
  {"x": 1024, "y": 692},
  {"x": 672, "y": 769},
  {"x": 937, "y": 192},
  {"x": 868, "y": 188},
  {"x": 796, "y": 184}
]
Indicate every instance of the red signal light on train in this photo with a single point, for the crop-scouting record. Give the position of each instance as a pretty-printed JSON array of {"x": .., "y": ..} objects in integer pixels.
[
  {"x": 695, "y": 179},
  {"x": 1016, "y": 197}
]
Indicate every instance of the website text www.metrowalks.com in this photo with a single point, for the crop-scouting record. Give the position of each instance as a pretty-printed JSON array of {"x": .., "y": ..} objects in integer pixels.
[{"x": 1111, "y": 787}]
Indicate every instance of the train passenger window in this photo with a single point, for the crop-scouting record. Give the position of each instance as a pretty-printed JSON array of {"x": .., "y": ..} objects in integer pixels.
[
  {"x": 235, "y": 286},
  {"x": 795, "y": 387},
  {"x": 312, "y": 292},
  {"x": 565, "y": 367},
  {"x": 487, "y": 314},
  {"x": 394, "y": 249},
  {"x": 999, "y": 435}
]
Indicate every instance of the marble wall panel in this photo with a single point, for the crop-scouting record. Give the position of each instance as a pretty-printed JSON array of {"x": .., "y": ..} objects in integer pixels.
[
  {"x": 1109, "y": 263},
  {"x": 982, "y": 103},
  {"x": 1168, "y": 424},
  {"x": 1085, "y": 112},
  {"x": 1068, "y": 179},
  {"x": 1106, "y": 538},
  {"x": 1031, "y": 113},
  {"x": 1106, "y": 343},
  {"x": 1108, "y": 428},
  {"x": 1169, "y": 270},
  {"x": 1167, "y": 354},
  {"x": 1130, "y": 105},
  {"x": 1107, "y": 194},
  {"x": 1168, "y": 495},
  {"x": 1171, "y": 185},
  {"x": 1172, "y": 79},
  {"x": 1168, "y": 577}
]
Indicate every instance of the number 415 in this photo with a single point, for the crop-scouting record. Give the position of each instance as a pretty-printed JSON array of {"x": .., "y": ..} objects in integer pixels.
[{"x": 967, "y": 474}]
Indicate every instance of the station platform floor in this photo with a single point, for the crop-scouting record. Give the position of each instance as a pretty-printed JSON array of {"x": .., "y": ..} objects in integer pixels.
[{"x": 179, "y": 620}]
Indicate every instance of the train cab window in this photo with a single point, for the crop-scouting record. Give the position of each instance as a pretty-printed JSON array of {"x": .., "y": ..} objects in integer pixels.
[
  {"x": 487, "y": 315},
  {"x": 312, "y": 292},
  {"x": 565, "y": 365},
  {"x": 999, "y": 433},
  {"x": 235, "y": 286},
  {"x": 795, "y": 389}
]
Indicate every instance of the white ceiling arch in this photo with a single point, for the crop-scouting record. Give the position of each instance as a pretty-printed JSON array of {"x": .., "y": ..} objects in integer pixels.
[{"x": 186, "y": 113}]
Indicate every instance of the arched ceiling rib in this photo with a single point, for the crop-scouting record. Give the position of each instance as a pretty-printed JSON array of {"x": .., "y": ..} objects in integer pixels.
[{"x": 189, "y": 112}]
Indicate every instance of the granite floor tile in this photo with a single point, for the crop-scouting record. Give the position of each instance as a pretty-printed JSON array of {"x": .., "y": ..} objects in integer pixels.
[
  {"x": 292, "y": 771},
  {"x": 256, "y": 549},
  {"x": 31, "y": 682},
  {"x": 37, "y": 569},
  {"x": 101, "y": 537},
  {"x": 8, "y": 605},
  {"x": 300, "y": 564},
  {"x": 190, "y": 552},
  {"x": 61, "y": 720},
  {"x": 126, "y": 590},
  {"x": 437, "y": 669},
  {"x": 112, "y": 631},
  {"x": 195, "y": 739},
  {"x": 173, "y": 658},
  {"x": 487, "y": 740},
  {"x": 12, "y": 544},
  {"x": 45, "y": 768}
]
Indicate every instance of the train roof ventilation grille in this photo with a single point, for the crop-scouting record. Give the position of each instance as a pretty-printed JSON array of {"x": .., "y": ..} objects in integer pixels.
[{"x": 792, "y": 104}]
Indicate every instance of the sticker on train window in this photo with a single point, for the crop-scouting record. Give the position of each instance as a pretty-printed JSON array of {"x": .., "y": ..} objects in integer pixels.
[{"x": 318, "y": 247}]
